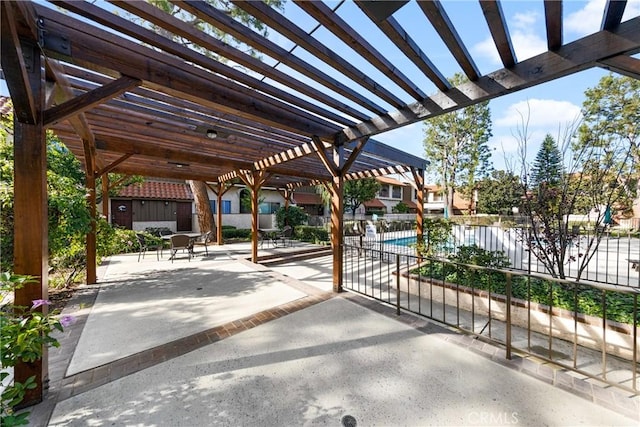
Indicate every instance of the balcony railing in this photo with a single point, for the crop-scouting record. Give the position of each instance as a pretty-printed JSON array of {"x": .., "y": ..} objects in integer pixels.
[{"x": 588, "y": 328}]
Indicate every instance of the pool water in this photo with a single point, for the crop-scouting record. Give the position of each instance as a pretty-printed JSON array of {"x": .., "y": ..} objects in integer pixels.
[{"x": 402, "y": 241}]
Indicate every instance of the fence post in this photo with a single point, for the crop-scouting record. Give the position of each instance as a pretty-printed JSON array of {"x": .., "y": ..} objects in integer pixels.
[
  {"x": 508, "y": 331},
  {"x": 398, "y": 284}
]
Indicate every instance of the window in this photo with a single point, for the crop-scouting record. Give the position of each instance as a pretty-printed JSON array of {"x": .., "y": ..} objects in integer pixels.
[
  {"x": 384, "y": 191},
  {"x": 245, "y": 201},
  {"x": 396, "y": 192},
  {"x": 268, "y": 207},
  {"x": 226, "y": 206}
]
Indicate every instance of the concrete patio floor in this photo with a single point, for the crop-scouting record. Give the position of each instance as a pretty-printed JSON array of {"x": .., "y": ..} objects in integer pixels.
[{"x": 221, "y": 341}]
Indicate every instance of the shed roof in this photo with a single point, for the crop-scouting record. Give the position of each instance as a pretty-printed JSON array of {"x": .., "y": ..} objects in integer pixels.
[
  {"x": 157, "y": 190},
  {"x": 307, "y": 199},
  {"x": 374, "y": 203}
]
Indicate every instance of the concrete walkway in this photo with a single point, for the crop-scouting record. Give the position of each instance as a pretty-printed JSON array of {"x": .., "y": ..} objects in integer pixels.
[{"x": 221, "y": 341}]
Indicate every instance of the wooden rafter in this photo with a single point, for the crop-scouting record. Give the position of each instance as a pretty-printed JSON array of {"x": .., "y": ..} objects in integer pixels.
[
  {"x": 613, "y": 12},
  {"x": 553, "y": 20},
  {"x": 334, "y": 23},
  {"x": 89, "y": 100},
  {"x": 625, "y": 65},
  {"x": 219, "y": 19},
  {"x": 175, "y": 76},
  {"x": 184, "y": 30},
  {"x": 270, "y": 17},
  {"x": 570, "y": 58},
  {"x": 499, "y": 32},
  {"x": 407, "y": 45},
  {"x": 112, "y": 165},
  {"x": 15, "y": 66},
  {"x": 436, "y": 14}
]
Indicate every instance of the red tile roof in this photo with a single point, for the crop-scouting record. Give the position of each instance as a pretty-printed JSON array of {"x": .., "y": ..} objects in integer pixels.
[
  {"x": 157, "y": 190},
  {"x": 307, "y": 199},
  {"x": 411, "y": 204},
  {"x": 375, "y": 203}
]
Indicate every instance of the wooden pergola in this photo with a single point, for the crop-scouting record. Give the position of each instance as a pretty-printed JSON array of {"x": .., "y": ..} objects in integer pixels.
[{"x": 127, "y": 99}]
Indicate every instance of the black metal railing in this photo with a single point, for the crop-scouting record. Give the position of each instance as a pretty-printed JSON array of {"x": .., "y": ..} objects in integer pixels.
[
  {"x": 616, "y": 260},
  {"x": 588, "y": 328}
]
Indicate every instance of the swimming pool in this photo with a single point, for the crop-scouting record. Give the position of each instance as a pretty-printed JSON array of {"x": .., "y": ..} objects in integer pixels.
[{"x": 402, "y": 241}]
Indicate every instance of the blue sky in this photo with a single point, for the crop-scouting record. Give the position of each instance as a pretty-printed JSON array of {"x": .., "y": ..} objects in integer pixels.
[{"x": 549, "y": 106}]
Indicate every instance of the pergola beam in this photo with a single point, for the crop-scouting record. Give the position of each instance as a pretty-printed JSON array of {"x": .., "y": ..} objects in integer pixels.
[
  {"x": 264, "y": 13},
  {"x": 92, "y": 46},
  {"x": 227, "y": 24},
  {"x": 334, "y": 23},
  {"x": 89, "y": 100},
  {"x": 499, "y": 32},
  {"x": 553, "y": 20},
  {"x": 163, "y": 19},
  {"x": 613, "y": 12},
  {"x": 17, "y": 62},
  {"x": 406, "y": 44},
  {"x": 622, "y": 64},
  {"x": 573, "y": 57},
  {"x": 436, "y": 14}
]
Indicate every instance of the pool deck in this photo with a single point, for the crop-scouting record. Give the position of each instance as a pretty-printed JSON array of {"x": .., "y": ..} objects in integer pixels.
[{"x": 222, "y": 341}]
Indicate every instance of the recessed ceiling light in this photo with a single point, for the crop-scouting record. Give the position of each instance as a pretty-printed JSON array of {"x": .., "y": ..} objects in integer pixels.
[{"x": 212, "y": 134}]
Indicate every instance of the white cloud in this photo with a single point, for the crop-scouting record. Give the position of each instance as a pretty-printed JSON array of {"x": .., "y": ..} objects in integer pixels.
[
  {"x": 526, "y": 43},
  {"x": 586, "y": 20},
  {"x": 547, "y": 113},
  {"x": 525, "y": 20}
]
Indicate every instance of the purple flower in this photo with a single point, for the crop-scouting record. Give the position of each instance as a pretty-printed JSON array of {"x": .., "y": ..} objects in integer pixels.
[
  {"x": 39, "y": 302},
  {"x": 67, "y": 320}
]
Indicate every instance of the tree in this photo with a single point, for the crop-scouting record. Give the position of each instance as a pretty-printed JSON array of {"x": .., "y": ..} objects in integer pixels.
[
  {"x": 290, "y": 215},
  {"x": 401, "y": 207},
  {"x": 611, "y": 123},
  {"x": 205, "y": 215},
  {"x": 547, "y": 167},
  {"x": 499, "y": 193},
  {"x": 68, "y": 213},
  {"x": 553, "y": 190},
  {"x": 457, "y": 145},
  {"x": 358, "y": 191}
]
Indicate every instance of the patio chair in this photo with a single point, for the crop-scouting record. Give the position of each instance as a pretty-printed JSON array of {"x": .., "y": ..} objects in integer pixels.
[
  {"x": 204, "y": 240},
  {"x": 283, "y": 237},
  {"x": 144, "y": 245},
  {"x": 181, "y": 241},
  {"x": 262, "y": 235}
]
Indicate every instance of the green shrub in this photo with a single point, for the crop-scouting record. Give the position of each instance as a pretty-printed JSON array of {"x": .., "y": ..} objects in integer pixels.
[
  {"x": 562, "y": 295},
  {"x": 236, "y": 233},
  {"x": 291, "y": 215},
  {"x": 307, "y": 233},
  {"x": 24, "y": 332}
]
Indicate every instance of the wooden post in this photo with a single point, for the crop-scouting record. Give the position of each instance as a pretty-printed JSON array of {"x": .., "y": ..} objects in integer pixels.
[
  {"x": 30, "y": 252},
  {"x": 255, "y": 188},
  {"x": 91, "y": 236},
  {"x": 105, "y": 196},
  {"x": 418, "y": 178},
  {"x": 219, "y": 193},
  {"x": 337, "y": 232}
]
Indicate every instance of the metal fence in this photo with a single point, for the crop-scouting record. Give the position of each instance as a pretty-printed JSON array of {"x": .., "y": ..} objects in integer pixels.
[
  {"x": 612, "y": 263},
  {"x": 588, "y": 328}
]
